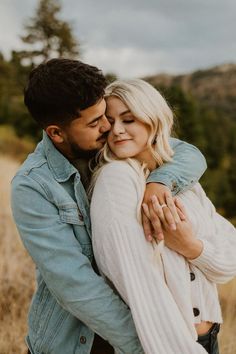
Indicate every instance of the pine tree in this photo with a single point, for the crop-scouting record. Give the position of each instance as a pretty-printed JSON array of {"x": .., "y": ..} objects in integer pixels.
[{"x": 47, "y": 35}]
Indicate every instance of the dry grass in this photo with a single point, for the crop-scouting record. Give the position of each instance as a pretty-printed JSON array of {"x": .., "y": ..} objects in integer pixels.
[
  {"x": 17, "y": 284},
  {"x": 16, "y": 272},
  {"x": 228, "y": 330},
  {"x": 12, "y": 145}
]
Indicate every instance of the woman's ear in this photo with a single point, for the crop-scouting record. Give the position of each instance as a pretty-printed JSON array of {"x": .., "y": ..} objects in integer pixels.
[
  {"x": 154, "y": 141},
  {"x": 55, "y": 133}
]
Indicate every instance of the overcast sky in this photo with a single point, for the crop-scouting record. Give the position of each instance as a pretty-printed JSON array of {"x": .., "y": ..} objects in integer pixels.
[{"x": 134, "y": 38}]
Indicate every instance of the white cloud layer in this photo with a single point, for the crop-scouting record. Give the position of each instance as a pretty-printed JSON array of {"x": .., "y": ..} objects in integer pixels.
[{"x": 138, "y": 38}]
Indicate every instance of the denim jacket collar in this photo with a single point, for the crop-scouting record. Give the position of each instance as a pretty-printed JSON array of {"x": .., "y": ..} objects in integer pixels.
[{"x": 60, "y": 166}]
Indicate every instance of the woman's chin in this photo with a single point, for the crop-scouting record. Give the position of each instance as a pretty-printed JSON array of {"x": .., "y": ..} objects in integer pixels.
[{"x": 124, "y": 156}]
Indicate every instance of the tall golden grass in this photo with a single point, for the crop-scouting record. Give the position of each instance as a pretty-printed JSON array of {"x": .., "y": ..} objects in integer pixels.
[
  {"x": 16, "y": 272},
  {"x": 17, "y": 280},
  {"x": 12, "y": 145}
]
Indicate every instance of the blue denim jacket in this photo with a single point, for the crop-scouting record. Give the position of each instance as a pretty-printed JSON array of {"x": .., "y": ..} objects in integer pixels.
[{"x": 51, "y": 211}]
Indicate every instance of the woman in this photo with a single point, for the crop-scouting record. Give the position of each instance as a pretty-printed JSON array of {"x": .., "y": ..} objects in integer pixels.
[{"x": 170, "y": 287}]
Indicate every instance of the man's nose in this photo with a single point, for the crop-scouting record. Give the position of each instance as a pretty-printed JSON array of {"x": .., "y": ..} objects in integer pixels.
[{"x": 105, "y": 126}]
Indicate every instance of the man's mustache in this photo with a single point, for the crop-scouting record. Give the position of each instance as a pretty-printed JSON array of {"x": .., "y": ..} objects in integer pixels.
[{"x": 103, "y": 136}]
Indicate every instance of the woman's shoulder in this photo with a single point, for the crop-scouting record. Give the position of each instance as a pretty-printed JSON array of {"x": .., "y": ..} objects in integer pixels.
[
  {"x": 125, "y": 170},
  {"x": 117, "y": 166},
  {"x": 117, "y": 190},
  {"x": 118, "y": 176}
]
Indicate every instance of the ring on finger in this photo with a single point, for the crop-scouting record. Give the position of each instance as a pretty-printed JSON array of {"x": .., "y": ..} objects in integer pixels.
[{"x": 163, "y": 205}]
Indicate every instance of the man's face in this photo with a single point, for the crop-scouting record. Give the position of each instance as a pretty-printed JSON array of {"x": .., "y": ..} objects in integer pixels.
[{"x": 85, "y": 135}]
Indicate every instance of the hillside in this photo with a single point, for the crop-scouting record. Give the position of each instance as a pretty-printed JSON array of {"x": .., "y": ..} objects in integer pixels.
[{"x": 214, "y": 87}]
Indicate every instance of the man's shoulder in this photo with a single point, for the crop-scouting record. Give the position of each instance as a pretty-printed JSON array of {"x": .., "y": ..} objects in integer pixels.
[
  {"x": 33, "y": 161},
  {"x": 34, "y": 164}
]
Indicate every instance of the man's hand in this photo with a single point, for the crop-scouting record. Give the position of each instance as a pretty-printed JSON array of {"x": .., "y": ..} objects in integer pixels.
[{"x": 159, "y": 207}]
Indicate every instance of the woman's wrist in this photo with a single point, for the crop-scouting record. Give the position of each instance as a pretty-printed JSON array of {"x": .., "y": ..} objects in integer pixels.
[{"x": 193, "y": 249}]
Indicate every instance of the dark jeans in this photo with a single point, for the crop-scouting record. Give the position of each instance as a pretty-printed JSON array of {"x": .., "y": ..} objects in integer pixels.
[
  {"x": 100, "y": 346},
  {"x": 209, "y": 340}
]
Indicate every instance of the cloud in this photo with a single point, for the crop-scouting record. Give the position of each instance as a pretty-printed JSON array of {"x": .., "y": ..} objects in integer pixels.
[{"x": 136, "y": 38}]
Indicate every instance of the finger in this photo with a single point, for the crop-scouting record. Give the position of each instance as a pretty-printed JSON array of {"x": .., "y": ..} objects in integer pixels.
[
  {"x": 157, "y": 207},
  {"x": 181, "y": 215},
  {"x": 147, "y": 228},
  {"x": 156, "y": 224},
  {"x": 169, "y": 220},
  {"x": 146, "y": 210},
  {"x": 171, "y": 205},
  {"x": 179, "y": 211},
  {"x": 180, "y": 206}
]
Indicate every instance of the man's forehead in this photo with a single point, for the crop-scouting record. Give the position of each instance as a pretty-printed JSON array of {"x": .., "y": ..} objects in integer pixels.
[{"x": 95, "y": 110}]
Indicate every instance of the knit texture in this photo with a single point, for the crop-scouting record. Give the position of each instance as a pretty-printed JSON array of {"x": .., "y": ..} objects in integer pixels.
[{"x": 155, "y": 281}]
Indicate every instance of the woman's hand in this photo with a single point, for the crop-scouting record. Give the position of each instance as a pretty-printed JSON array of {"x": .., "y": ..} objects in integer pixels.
[
  {"x": 158, "y": 206},
  {"x": 182, "y": 240}
]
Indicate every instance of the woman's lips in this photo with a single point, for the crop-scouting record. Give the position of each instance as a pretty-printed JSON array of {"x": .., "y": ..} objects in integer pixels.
[{"x": 120, "y": 142}]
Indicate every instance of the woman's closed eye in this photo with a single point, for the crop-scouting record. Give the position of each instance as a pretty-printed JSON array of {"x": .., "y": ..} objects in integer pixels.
[{"x": 127, "y": 121}]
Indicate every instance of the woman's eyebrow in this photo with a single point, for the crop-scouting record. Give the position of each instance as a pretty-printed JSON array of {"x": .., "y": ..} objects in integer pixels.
[
  {"x": 123, "y": 113},
  {"x": 120, "y": 114}
]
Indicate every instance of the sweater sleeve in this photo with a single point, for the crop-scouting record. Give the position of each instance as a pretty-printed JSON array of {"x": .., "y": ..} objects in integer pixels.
[
  {"x": 128, "y": 261},
  {"x": 217, "y": 260}
]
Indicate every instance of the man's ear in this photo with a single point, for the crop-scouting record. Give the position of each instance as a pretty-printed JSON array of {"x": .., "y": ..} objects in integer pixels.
[{"x": 55, "y": 133}]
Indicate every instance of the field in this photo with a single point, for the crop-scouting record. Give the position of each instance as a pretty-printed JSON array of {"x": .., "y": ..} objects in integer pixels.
[
  {"x": 17, "y": 284},
  {"x": 16, "y": 272}
]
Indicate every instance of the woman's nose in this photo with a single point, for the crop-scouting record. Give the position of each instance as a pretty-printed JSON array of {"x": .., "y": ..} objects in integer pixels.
[{"x": 118, "y": 128}]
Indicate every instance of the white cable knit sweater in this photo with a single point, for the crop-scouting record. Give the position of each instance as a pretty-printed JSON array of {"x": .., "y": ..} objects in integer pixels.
[{"x": 166, "y": 297}]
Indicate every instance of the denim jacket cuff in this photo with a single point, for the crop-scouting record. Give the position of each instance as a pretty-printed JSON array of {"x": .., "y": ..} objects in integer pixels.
[{"x": 166, "y": 179}]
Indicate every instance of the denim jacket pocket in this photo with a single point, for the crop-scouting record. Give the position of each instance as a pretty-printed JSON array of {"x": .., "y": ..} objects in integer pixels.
[{"x": 70, "y": 214}]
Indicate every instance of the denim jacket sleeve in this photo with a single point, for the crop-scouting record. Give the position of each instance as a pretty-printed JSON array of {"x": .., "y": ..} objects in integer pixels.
[
  {"x": 66, "y": 271},
  {"x": 185, "y": 170}
]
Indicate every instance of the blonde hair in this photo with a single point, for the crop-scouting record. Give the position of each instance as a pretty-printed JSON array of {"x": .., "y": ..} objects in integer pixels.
[{"x": 148, "y": 106}]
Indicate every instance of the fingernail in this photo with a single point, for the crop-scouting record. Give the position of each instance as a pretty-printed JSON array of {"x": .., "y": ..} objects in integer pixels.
[
  {"x": 160, "y": 236},
  {"x": 173, "y": 227},
  {"x": 149, "y": 238}
]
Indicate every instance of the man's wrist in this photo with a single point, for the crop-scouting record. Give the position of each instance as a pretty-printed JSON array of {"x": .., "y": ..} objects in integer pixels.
[{"x": 166, "y": 180}]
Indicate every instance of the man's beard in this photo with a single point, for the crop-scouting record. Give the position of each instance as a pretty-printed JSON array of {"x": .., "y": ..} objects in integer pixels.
[{"x": 79, "y": 153}]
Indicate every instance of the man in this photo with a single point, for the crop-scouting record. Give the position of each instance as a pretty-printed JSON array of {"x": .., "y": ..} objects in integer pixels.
[{"x": 51, "y": 211}]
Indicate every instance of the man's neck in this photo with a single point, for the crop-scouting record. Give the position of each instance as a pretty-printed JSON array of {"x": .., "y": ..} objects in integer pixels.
[{"x": 82, "y": 165}]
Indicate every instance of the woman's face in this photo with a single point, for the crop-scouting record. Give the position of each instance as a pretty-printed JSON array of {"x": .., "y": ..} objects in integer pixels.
[{"x": 128, "y": 136}]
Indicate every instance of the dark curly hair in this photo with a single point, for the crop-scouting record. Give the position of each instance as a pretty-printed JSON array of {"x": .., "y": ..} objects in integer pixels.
[{"x": 59, "y": 89}]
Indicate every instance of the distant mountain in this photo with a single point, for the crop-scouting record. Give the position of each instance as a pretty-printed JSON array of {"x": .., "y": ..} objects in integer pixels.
[{"x": 214, "y": 87}]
